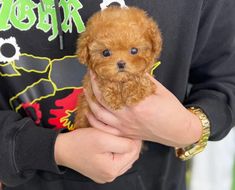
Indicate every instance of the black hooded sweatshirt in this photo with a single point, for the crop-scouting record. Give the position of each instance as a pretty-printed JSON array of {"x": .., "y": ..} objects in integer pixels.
[{"x": 40, "y": 79}]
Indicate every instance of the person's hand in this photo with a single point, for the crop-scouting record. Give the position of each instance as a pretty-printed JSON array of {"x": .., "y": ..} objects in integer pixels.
[
  {"x": 0, "y": 186},
  {"x": 159, "y": 118},
  {"x": 96, "y": 154}
]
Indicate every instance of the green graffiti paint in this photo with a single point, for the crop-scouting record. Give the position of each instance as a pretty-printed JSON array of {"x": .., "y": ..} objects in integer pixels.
[
  {"x": 21, "y": 14},
  {"x": 71, "y": 8},
  {"x": 47, "y": 19},
  {"x": 5, "y": 13}
]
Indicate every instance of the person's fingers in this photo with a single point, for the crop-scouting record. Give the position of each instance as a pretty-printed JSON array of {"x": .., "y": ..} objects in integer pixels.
[
  {"x": 1, "y": 186},
  {"x": 103, "y": 142},
  {"x": 119, "y": 145},
  {"x": 128, "y": 159},
  {"x": 124, "y": 170},
  {"x": 101, "y": 113},
  {"x": 102, "y": 126}
]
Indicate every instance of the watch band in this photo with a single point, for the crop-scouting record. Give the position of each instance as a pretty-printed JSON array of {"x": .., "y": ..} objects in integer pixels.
[{"x": 188, "y": 152}]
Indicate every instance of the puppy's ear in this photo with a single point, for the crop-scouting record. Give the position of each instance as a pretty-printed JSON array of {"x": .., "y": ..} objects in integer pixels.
[
  {"x": 156, "y": 38},
  {"x": 82, "y": 48}
]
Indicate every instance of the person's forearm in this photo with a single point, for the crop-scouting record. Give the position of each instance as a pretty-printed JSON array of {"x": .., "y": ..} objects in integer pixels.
[
  {"x": 20, "y": 145},
  {"x": 212, "y": 72}
]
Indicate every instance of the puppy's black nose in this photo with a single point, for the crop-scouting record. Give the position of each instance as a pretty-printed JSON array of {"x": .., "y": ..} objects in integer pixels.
[{"x": 121, "y": 64}]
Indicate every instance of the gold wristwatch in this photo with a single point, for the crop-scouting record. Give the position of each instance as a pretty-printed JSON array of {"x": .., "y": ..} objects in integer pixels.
[{"x": 188, "y": 152}]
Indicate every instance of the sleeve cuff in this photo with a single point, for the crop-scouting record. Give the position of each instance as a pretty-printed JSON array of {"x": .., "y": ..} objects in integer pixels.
[{"x": 34, "y": 149}]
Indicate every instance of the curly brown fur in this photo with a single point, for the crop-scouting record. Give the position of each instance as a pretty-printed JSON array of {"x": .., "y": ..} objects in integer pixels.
[{"x": 118, "y": 30}]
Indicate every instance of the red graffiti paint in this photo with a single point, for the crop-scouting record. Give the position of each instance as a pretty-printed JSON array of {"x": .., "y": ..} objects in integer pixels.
[{"x": 63, "y": 117}]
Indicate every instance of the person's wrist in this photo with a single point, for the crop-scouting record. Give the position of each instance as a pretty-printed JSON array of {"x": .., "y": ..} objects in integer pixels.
[
  {"x": 196, "y": 128},
  {"x": 191, "y": 150},
  {"x": 58, "y": 149},
  {"x": 191, "y": 130}
]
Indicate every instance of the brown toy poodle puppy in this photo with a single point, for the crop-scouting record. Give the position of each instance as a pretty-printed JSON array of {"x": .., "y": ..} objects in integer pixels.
[{"x": 120, "y": 45}]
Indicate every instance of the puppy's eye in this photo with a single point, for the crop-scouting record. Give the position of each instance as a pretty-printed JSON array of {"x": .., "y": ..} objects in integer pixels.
[
  {"x": 106, "y": 53},
  {"x": 134, "y": 51}
]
